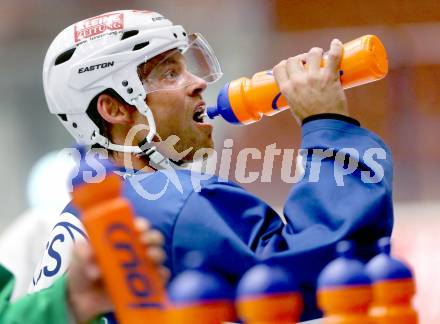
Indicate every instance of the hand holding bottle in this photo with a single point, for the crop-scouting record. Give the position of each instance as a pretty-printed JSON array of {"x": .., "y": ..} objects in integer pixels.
[
  {"x": 86, "y": 293},
  {"x": 310, "y": 87}
]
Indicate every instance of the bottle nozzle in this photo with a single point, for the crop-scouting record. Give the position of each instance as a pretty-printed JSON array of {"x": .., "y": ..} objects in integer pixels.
[
  {"x": 345, "y": 249},
  {"x": 212, "y": 112},
  {"x": 384, "y": 245}
]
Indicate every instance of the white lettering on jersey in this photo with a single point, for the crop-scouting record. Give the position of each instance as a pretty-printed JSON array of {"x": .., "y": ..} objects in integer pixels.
[{"x": 58, "y": 252}]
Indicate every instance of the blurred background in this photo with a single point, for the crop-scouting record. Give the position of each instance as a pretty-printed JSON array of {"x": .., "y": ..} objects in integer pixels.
[{"x": 249, "y": 36}]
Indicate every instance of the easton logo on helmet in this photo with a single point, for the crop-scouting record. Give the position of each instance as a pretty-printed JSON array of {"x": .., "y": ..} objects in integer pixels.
[
  {"x": 96, "y": 67},
  {"x": 98, "y": 25}
]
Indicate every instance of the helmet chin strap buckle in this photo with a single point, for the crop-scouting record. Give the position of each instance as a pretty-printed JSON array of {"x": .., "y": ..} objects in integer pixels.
[
  {"x": 156, "y": 159},
  {"x": 164, "y": 150}
]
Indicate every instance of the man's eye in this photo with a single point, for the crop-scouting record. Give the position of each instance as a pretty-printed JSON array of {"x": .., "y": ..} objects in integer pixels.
[{"x": 170, "y": 74}]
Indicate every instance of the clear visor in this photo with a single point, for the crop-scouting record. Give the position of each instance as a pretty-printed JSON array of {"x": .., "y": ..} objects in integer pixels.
[{"x": 179, "y": 68}]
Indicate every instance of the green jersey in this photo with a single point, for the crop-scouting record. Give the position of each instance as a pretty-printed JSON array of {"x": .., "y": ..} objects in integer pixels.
[{"x": 44, "y": 307}]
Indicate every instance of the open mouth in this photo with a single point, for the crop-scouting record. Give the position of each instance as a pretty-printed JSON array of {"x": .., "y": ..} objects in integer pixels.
[{"x": 200, "y": 114}]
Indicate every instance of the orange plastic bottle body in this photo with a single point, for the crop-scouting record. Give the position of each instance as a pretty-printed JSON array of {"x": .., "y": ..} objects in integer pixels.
[
  {"x": 268, "y": 294},
  {"x": 210, "y": 312},
  {"x": 346, "y": 305},
  {"x": 250, "y": 99},
  {"x": 247, "y": 100},
  {"x": 393, "y": 287},
  {"x": 197, "y": 296},
  {"x": 392, "y": 302},
  {"x": 283, "y": 308},
  {"x": 344, "y": 288},
  {"x": 133, "y": 283},
  {"x": 364, "y": 60}
]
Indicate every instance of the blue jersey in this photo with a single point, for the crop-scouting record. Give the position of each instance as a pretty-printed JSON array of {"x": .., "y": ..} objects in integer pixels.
[{"x": 233, "y": 229}]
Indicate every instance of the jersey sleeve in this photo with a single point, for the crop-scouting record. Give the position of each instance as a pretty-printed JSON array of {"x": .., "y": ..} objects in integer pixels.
[
  {"x": 46, "y": 306},
  {"x": 58, "y": 250},
  {"x": 347, "y": 197},
  {"x": 346, "y": 191}
]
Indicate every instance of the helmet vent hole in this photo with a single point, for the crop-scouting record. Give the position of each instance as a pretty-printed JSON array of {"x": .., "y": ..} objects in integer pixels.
[
  {"x": 140, "y": 45},
  {"x": 74, "y": 125},
  {"x": 64, "y": 57},
  {"x": 175, "y": 35},
  {"x": 129, "y": 33},
  {"x": 63, "y": 117},
  {"x": 184, "y": 34}
]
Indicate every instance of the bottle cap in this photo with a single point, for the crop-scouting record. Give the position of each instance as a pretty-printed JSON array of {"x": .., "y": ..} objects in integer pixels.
[
  {"x": 212, "y": 112},
  {"x": 194, "y": 260},
  {"x": 384, "y": 267},
  {"x": 193, "y": 286},
  {"x": 223, "y": 107},
  {"x": 345, "y": 270},
  {"x": 263, "y": 279}
]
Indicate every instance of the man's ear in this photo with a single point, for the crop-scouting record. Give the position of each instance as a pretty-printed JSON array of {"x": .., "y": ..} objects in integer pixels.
[{"x": 113, "y": 111}]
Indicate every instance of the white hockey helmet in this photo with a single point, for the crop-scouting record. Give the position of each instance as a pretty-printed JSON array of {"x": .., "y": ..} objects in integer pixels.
[{"x": 104, "y": 52}]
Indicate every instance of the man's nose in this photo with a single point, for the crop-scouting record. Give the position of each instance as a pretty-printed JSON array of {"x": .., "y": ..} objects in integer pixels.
[{"x": 196, "y": 84}]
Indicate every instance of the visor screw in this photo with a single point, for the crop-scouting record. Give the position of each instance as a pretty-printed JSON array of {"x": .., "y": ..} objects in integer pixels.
[
  {"x": 130, "y": 90},
  {"x": 125, "y": 83}
]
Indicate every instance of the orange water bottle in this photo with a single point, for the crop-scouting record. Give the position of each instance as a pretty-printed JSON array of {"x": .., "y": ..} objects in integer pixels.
[
  {"x": 344, "y": 289},
  {"x": 393, "y": 288},
  {"x": 245, "y": 101},
  {"x": 268, "y": 295},
  {"x": 133, "y": 283},
  {"x": 199, "y": 296}
]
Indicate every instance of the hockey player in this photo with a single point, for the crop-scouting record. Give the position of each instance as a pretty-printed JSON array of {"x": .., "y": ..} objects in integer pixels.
[{"x": 131, "y": 82}]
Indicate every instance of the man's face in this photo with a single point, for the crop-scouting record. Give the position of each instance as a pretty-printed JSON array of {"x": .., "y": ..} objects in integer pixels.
[{"x": 175, "y": 99}]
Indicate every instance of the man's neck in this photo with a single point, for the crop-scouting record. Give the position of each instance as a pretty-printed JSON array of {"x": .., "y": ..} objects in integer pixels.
[{"x": 130, "y": 161}]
